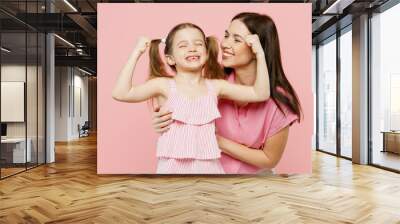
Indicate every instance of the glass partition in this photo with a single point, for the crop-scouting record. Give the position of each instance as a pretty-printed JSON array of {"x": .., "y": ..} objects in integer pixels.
[
  {"x": 22, "y": 77},
  {"x": 327, "y": 95},
  {"x": 346, "y": 93},
  {"x": 385, "y": 89}
]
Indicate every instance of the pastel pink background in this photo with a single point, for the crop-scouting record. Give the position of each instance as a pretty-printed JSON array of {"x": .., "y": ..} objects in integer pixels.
[{"x": 126, "y": 140}]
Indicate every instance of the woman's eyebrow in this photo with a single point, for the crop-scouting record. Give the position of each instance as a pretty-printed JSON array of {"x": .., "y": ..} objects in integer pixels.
[{"x": 235, "y": 35}]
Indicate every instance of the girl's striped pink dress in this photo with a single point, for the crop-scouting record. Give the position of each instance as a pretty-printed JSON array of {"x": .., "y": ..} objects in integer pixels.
[{"x": 190, "y": 145}]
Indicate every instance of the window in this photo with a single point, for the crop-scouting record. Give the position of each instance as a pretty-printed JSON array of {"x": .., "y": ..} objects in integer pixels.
[
  {"x": 346, "y": 74},
  {"x": 327, "y": 95},
  {"x": 385, "y": 88}
]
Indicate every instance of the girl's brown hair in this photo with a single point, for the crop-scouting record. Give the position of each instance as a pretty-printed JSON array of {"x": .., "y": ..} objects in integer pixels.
[{"x": 212, "y": 69}]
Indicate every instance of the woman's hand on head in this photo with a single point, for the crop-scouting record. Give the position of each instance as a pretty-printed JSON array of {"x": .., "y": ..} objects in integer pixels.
[
  {"x": 254, "y": 42},
  {"x": 162, "y": 119},
  {"x": 142, "y": 45}
]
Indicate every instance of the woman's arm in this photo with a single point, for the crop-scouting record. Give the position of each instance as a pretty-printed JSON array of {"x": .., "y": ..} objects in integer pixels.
[
  {"x": 260, "y": 91},
  {"x": 124, "y": 90},
  {"x": 268, "y": 157}
]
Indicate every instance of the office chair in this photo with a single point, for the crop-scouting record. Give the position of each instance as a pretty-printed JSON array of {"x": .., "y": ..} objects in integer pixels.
[{"x": 84, "y": 130}]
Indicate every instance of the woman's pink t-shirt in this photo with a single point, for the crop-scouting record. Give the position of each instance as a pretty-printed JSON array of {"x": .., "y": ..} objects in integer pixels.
[{"x": 249, "y": 125}]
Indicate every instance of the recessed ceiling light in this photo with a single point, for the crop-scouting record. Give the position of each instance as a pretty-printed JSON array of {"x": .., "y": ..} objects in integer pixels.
[
  {"x": 64, "y": 40},
  {"x": 337, "y": 7},
  {"x": 5, "y": 49},
  {"x": 84, "y": 71},
  {"x": 70, "y": 5}
]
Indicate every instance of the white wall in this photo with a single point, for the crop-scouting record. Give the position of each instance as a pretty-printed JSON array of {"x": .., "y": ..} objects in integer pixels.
[
  {"x": 61, "y": 103},
  {"x": 70, "y": 83},
  {"x": 80, "y": 83}
]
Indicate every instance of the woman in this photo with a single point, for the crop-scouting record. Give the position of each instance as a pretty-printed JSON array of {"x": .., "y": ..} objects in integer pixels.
[{"x": 251, "y": 136}]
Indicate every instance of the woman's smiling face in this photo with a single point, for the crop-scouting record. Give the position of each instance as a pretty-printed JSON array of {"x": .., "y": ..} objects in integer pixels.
[{"x": 235, "y": 51}]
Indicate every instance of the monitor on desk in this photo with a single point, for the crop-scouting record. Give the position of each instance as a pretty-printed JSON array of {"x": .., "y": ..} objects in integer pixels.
[{"x": 3, "y": 130}]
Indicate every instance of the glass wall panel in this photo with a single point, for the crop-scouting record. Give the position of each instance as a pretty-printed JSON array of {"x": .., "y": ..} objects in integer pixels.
[
  {"x": 385, "y": 85},
  {"x": 22, "y": 77},
  {"x": 327, "y": 95},
  {"x": 13, "y": 103},
  {"x": 41, "y": 78},
  {"x": 31, "y": 101},
  {"x": 346, "y": 93},
  {"x": 32, "y": 86}
]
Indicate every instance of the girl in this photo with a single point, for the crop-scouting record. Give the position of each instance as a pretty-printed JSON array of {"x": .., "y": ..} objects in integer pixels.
[{"x": 190, "y": 145}]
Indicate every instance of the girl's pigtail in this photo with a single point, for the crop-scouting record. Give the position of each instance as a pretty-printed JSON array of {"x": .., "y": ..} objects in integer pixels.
[
  {"x": 213, "y": 69},
  {"x": 157, "y": 68}
]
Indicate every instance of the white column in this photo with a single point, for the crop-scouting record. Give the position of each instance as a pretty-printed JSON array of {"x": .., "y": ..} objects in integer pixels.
[
  {"x": 50, "y": 91},
  {"x": 360, "y": 90}
]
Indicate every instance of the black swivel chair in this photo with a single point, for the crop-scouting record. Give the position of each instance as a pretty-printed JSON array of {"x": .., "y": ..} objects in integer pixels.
[{"x": 84, "y": 130}]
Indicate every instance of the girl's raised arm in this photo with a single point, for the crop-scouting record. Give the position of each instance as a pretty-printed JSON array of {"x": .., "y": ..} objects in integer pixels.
[
  {"x": 125, "y": 91},
  {"x": 260, "y": 91}
]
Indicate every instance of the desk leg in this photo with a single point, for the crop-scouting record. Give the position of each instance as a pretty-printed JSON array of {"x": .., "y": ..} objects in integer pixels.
[{"x": 384, "y": 142}]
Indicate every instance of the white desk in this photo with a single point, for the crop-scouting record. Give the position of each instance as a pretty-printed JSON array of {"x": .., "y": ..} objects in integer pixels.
[{"x": 18, "y": 151}]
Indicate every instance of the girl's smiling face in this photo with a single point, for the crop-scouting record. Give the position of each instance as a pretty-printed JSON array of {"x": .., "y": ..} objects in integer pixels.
[
  {"x": 189, "y": 52},
  {"x": 235, "y": 51}
]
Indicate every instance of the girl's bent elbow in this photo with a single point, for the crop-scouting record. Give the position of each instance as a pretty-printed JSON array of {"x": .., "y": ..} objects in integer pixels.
[
  {"x": 117, "y": 97},
  {"x": 267, "y": 96},
  {"x": 263, "y": 97}
]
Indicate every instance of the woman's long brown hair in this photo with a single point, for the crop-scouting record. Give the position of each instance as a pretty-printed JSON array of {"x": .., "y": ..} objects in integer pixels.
[{"x": 281, "y": 90}]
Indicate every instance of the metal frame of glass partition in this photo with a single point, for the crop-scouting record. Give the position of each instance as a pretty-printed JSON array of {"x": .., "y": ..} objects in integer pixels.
[
  {"x": 338, "y": 34},
  {"x": 0, "y": 92},
  {"x": 44, "y": 93}
]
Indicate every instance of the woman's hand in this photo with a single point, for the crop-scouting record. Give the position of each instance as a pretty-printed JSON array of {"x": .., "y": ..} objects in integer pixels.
[
  {"x": 161, "y": 120},
  {"x": 254, "y": 42},
  {"x": 268, "y": 157},
  {"x": 142, "y": 45}
]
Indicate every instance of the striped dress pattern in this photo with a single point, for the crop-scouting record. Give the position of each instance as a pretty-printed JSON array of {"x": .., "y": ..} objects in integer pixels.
[{"x": 190, "y": 145}]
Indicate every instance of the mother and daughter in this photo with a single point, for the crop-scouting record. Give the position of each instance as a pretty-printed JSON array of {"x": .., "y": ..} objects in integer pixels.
[{"x": 243, "y": 110}]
